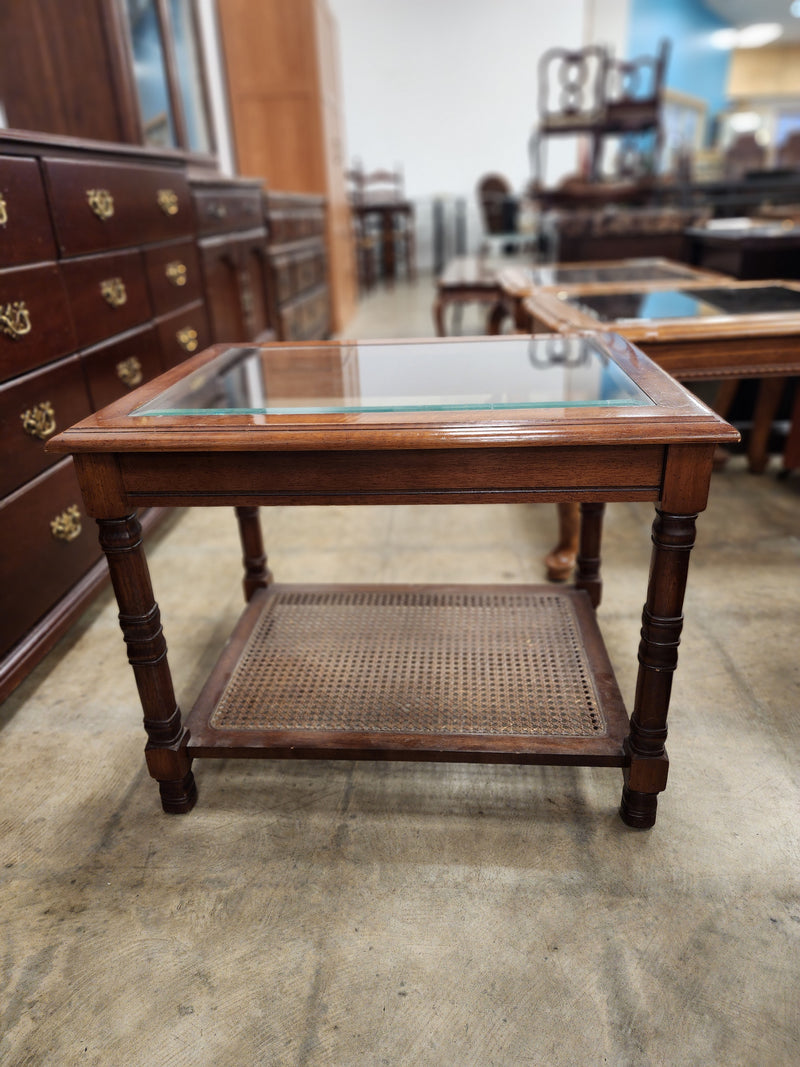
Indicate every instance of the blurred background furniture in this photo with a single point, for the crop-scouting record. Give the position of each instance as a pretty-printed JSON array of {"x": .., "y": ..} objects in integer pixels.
[
  {"x": 384, "y": 217},
  {"x": 586, "y": 92},
  {"x": 744, "y": 154}
]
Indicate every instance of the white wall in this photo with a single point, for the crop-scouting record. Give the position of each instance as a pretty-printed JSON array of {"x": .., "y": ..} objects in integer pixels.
[{"x": 448, "y": 87}]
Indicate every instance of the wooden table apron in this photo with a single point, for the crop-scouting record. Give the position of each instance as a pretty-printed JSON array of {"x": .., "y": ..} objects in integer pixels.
[{"x": 675, "y": 477}]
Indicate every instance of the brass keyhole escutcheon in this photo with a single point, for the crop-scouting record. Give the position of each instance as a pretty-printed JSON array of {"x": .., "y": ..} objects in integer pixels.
[
  {"x": 176, "y": 272},
  {"x": 168, "y": 201},
  {"x": 67, "y": 525},
  {"x": 129, "y": 372},
  {"x": 101, "y": 202},
  {"x": 187, "y": 339},
  {"x": 40, "y": 420},
  {"x": 114, "y": 292},
  {"x": 3, "y": 210},
  {"x": 15, "y": 319}
]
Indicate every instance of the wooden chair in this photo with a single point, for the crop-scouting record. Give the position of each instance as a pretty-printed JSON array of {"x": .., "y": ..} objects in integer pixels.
[
  {"x": 493, "y": 193},
  {"x": 389, "y": 216},
  {"x": 571, "y": 100},
  {"x": 743, "y": 155},
  {"x": 633, "y": 92},
  {"x": 788, "y": 154},
  {"x": 366, "y": 242}
]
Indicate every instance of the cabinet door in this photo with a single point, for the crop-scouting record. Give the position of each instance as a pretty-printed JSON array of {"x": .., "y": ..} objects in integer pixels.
[
  {"x": 255, "y": 269},
  {"x": 222, "y": 278}
]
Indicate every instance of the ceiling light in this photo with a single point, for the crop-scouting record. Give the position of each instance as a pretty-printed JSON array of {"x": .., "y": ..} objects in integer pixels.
[
  {"x": 794, "y": 8},
  {"x": 745, "y": 121},
  {"x": 760, "y": 33},
  {"x": 754, "y": 36}
]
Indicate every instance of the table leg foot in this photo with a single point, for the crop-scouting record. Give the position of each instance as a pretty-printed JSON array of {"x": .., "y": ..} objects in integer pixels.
[
  {"x": 178, "y": 798},
  {"x": 560, "y": 563},
  {"x": 638, "y": 810}
]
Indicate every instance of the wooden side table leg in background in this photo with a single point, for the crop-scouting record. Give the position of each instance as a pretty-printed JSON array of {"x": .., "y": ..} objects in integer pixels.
[
  {"x": 769, "y": 395},
  {"x": 560, "y": 563},
  {"x": 139, "y": 617},
  {"x": 588, "y": 561},
  {"x": 257, "y": 574},
  {"x": 662, "y": 622}
]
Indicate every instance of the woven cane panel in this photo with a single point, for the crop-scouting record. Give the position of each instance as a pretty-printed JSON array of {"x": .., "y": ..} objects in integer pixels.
[{"x": 414, "y": 662}]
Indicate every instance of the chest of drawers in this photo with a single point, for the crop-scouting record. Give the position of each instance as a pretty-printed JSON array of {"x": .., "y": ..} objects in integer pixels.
[
  {"x": 298, "y": 266},
  {"x": 100, "y": 290}
]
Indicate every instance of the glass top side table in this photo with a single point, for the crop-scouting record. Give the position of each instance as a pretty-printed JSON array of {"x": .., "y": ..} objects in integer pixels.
[{"x": 471, "y": 672}]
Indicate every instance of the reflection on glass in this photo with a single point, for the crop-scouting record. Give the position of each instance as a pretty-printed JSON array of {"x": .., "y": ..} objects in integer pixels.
[
  {"x": 485, "y": 374},
  {"x": 645, "y": 270},
  {"x": 150, "y": 73},
  {"x": 187, "y": 54},
  {"x": 688, "y": 303}
]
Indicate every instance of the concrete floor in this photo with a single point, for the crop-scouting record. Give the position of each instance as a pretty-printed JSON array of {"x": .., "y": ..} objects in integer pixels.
[{"x": 341, "y": 914}]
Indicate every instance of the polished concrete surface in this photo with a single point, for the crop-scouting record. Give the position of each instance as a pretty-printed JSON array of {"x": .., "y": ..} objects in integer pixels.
[{"x": 339, "y": 913}]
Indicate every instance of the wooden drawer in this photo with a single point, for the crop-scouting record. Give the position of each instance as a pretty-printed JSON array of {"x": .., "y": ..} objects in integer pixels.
[
  {"x": 35, "y": 322},
  {"x": 307, "y": 318},
  {"x": 293, "y": 218},
  {"x": 104, "y": 205},
  {"x": 26, "y": 233},
  {"x": 173, "y": 275},
  {"x": 221, "y": 209},
  {"x": 108, "y": 294},
  {"x": 183, "y": 333},
  {"x": 119, "y": 366},
  {"x": 299, "y": 270},
  {"x": 36, "y": 567},
  {"x": 33, "y": 408}
]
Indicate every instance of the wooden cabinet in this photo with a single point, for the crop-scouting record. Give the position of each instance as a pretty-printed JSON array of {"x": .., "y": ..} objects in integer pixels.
[
  {"x": 298, "y": 266},
  {"x": 232, "y": 242},
  {"x": 100, "y": 290},
  {"x": 284, "y": 93}
]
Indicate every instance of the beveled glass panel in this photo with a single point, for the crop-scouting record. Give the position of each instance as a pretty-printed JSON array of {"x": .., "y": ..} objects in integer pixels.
[
  {"x": 687, "y": 303},
  {"x": 481, "y": 374},
  {"x": 617, "y": 272}
]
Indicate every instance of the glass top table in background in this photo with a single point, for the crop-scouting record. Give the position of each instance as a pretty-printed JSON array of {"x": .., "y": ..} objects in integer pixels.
[
  {"x": 469, "y": 672},
  {"x": 722, "y": 332}
]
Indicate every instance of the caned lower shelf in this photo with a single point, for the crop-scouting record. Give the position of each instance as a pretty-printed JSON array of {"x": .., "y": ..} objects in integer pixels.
[{"x": 515, "y": 674}]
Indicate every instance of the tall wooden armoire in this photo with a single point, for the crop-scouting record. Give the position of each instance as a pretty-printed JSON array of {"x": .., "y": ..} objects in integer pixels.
[{"x": 285, "y": 100}]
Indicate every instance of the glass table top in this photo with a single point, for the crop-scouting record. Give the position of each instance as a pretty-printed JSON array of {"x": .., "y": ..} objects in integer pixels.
[
  {"x": 692, "y": 303},
  {"x": 616, "y": 272},
  {"x": 352, "y": 377}
]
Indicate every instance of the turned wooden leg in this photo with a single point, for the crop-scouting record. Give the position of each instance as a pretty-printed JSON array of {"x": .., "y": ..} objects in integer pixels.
[
  {"x": 560, "y": 563},
  {"x": 662, "y": 621},
  {"x": 438, "y": 316},
  {"x": 498, "y": 313},
  {"x": 769, "y": 395},
  {"x": 591, "y": 533},
  {"x": 257, "y": 574},
  {"x": 167, "y": 759}
]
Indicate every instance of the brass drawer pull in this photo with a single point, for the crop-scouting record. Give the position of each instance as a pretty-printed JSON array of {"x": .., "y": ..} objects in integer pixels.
[
  {"x": 101, "y": 202},
  {"x": 40, "y": 420},
  {"x": 67, "y": 525},
  {"x": 218, "y": 211},
  {"x": 129, "y": 372},
  {"x": 113, "y": 292},
  {"x": 15, "y": 319},
  {"x": 176, "y": 272},
  {"x": 187, "y": 339},
  {"x": 168, "y": 201},
  {"x": 3, "y": 211}
]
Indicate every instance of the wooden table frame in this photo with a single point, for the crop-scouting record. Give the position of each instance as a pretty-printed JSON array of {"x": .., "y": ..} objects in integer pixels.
[{"x": 660, "y": 452}]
